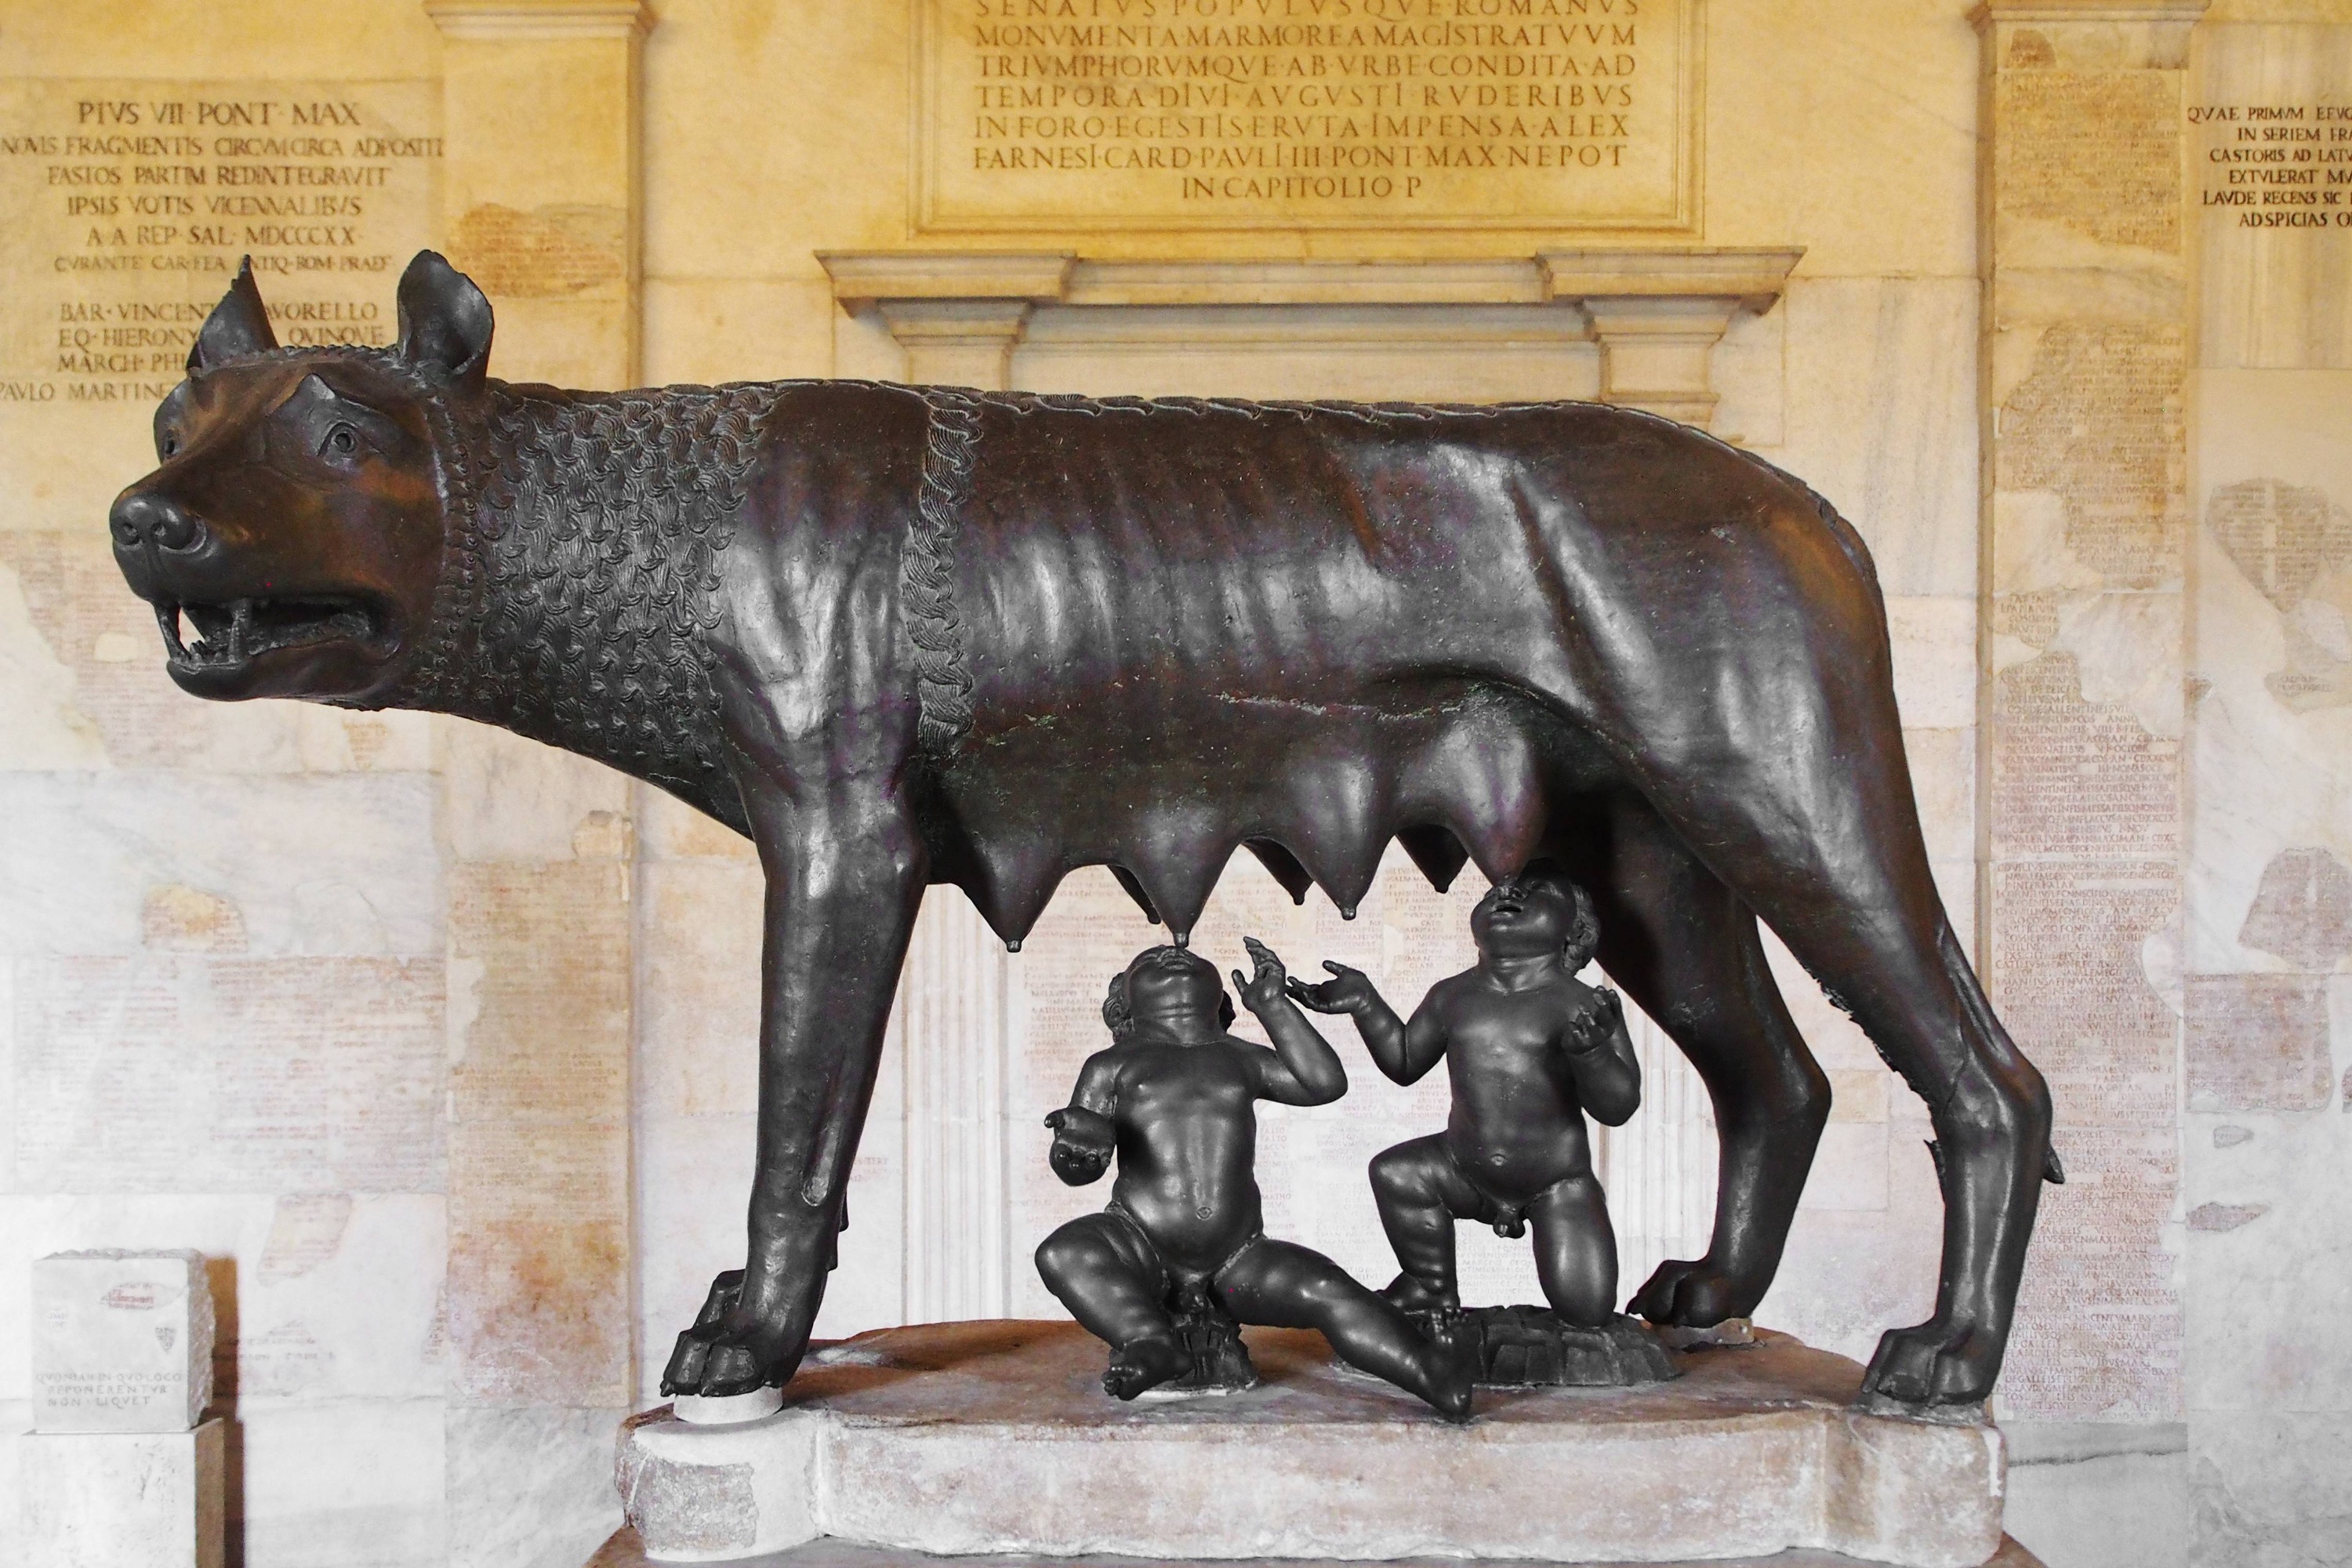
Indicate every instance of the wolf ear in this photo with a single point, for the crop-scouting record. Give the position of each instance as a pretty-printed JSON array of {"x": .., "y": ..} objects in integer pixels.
[
  {"x": 238, "y": 325},
  {"x": 445, "y": 321}
]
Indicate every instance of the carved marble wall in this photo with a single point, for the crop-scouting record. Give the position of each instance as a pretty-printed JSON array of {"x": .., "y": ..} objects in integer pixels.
[
  {"x": 2085, "y": 359},
  {"x": 2267, "y": 758},
  {"x": 440, "y": 1044}
]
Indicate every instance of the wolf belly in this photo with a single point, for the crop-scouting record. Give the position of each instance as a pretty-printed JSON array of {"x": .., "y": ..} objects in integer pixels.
[{"x": 1194, "y": 628}]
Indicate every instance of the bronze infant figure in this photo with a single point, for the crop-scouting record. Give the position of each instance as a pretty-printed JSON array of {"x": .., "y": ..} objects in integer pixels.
[
  {"x": 1171, "y": 1098},
  {"x": 906, "y": 635},
  {"x": 1531, "y": 1049}
]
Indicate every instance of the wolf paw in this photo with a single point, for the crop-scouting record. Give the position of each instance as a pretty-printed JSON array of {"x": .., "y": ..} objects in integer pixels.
[
  {"x": 1934, "y": 1364},
  {"x": 731, "y": 1351},
  {"x": 1695, "y": 1295}
]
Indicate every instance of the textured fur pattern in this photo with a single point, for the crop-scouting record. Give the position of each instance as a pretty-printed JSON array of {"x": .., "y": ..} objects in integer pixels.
[
  {"x": 927, "y": 575},
  {"x": 579, "y": 571}
]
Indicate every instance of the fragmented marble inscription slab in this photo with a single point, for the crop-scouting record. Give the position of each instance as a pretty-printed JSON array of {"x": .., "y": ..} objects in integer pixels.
[{"x": 122, "y": 1341}]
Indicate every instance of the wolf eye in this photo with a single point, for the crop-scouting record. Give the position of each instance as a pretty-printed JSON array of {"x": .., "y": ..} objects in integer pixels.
[
  {"x": 342, "y": 441},
  {"x": 169, "y": 443}
]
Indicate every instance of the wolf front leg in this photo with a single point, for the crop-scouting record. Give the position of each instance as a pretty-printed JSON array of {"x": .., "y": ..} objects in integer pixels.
[{"x": 844, "y": 872}]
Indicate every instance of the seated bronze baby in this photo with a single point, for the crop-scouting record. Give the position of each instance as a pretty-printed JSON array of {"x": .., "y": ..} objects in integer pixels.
[{"x": 1173, "y": 1100}]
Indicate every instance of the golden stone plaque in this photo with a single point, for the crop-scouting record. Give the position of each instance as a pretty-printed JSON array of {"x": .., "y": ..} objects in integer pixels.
[
  {"x": 130, "y": 203},
  {"x": 1160, "y": 114}
]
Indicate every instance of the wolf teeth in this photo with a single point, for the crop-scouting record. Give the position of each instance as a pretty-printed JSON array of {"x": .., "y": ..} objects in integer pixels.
[{"x": 241, "y": 629}]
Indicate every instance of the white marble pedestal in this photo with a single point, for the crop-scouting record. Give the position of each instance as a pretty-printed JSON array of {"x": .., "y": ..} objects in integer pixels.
[
  {"x": 123, "y": 1499},
  {"x": 121, "y": 1469},
  {"x": 994, "y": 1437}
]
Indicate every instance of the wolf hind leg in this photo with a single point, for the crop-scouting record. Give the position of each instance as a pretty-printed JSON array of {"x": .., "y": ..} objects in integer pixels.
[
  {"x": 1823, "y": 842},
  {"x": 1686, "y": 951}
]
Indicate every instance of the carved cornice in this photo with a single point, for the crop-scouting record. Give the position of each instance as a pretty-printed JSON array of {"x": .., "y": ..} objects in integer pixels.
[
  {"x": 2049, "y": 11},
  {"x": 1507, "y": 280},
  {"x": 861, "y": 276},
  {"x": 1655, "y": 313},
  {"x": 1755, "y": 277},
  {"x": 541, "y": 20}
]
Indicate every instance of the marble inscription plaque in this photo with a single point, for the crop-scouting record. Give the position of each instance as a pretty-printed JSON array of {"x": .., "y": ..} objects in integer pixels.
[
  {"x": 2277, "y": 165},
  {"x": 128, "y": 203},
  {"x": 122, "y": 1341},
  {"x": 2271, "y": 133},
  {"x": 1210, "y": 114},
  {"x": 192, "y": 1072}
]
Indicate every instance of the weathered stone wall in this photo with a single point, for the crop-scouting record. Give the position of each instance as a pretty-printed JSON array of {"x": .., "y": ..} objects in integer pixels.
[
  {"x": 2085, "y": 361},
  {"x": 2268, "y": 883}
]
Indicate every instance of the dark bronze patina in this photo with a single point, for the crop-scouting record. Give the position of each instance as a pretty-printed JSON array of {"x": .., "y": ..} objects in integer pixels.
[
  {"x": 1530, "y": 1050},
  {"x": 1183, "y": 1241},
  {"x": 906, "y": 635}
]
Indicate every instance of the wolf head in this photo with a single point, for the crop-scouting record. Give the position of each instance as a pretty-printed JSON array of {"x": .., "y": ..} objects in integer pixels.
[{"x": 290, "y": 540}]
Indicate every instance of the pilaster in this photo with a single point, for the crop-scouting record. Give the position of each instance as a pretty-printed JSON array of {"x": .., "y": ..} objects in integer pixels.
[
  {"x": 960, "y": 1015},
  {"x": 540, "y": 207},
  {"x": 2080, "y": 583},
  {"x": 1656, "y": 353},
  {"x": 539, "y": 183},
  {"x": 958, "y": 343}
]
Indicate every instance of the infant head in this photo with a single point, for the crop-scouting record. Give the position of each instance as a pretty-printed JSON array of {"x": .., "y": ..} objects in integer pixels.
[
  {"x": 1166, "y": 983},
  {"x": 1539, "y": 910}
]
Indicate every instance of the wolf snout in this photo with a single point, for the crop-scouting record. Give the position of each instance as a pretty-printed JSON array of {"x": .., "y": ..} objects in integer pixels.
[{"x": 143, "y": 518}]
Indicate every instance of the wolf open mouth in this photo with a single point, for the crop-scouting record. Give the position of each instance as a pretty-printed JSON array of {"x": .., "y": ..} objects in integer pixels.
[{"x": 233, "y": 632}]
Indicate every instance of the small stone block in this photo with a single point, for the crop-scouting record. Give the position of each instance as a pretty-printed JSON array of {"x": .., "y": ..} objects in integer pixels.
[
  {"x": 1730, "y": 1333},
  {"x": 719, "y": 1494},
  {"x": 122, "y": 1341},
  {"x": 123, "y": 1499},
  {"x": 727, "y": 1409}
]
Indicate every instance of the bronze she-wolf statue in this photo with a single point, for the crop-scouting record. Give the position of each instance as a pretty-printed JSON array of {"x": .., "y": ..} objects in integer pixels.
[{"x": 906, "y": 636}]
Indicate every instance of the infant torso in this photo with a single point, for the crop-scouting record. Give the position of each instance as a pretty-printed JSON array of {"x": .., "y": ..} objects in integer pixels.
[
  {"x": 1187, "y": 1139},
  {"x": 1516, "y": 1124}
]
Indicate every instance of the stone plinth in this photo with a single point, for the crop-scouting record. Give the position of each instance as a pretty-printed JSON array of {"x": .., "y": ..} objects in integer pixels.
[
  {"x": 624, "y": 1550},
  {"x": 123, "y": 1499},
  {"x": 996, "y": 1437},
  {"x": 122, "y": 1341}
]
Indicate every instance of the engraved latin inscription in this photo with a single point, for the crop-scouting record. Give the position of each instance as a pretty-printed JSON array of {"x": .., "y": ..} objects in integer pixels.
[
  {"x": 1044, "y": 114},
  {"x": 2276, "y": 165},
  {"x": 129, "y": 203}
]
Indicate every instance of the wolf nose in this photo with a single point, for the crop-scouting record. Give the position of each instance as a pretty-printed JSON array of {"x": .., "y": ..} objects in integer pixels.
[{"x": 144, "y": 517}]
